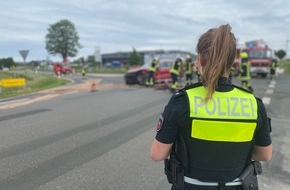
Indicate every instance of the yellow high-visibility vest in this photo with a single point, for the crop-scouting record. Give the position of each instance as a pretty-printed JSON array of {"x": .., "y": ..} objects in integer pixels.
[
  {"x": 176, "y": 67},
  {"x": 227, "y": 117},
  {"x": 188, "y": 67},
  {"x": 245, "y": 71},
  {"x": 153, "y": 66}
]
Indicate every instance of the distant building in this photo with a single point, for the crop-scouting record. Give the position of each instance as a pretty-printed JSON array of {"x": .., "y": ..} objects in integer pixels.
[{"x": 145, "y": 56}]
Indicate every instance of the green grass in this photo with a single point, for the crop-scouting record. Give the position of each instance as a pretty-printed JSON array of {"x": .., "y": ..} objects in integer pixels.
[
  {"x": 34, "y": 83},
  {"x": 38, "y": 82},
  {"x": 285, "y": 64}
]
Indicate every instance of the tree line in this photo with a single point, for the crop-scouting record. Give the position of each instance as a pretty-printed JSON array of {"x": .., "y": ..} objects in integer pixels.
[{"x": 6, "y": 63}]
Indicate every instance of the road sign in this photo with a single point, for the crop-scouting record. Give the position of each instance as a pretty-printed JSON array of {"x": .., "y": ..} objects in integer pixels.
[
  {"x": 24, "y": 54},
  {"x": 13, "y": 82}
]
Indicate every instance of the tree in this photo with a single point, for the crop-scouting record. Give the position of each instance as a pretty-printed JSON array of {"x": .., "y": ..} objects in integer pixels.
[
  {"x": 92, "y": 61},
  {"x": 63, "y": 39},
  {"x": 7, "y": 62},
  {"x": 280, "y": 54},
  {"x": 134, "y": 58}
]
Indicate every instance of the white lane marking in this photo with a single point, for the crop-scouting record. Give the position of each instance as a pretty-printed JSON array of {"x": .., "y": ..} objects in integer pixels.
[
  {"x": 273, "y": 82},
  {"x": 280, "y": 70},
  {"x": 272, "y": 86},
  {"x": 14, "y": 101},
  {"x": 266, "y": 100},
  {"x": 269, "y": 91}
]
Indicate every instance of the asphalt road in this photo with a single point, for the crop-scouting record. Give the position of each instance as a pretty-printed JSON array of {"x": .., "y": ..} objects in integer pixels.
[{"x": 101, "y": 140}]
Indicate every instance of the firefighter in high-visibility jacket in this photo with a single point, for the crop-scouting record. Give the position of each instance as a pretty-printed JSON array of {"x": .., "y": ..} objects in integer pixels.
[
  {"x": 188, "y": 67},
  {"x": 273, "y": 68},
  {"x": 245, "y": 72},
  {"x": 175, "y": 72},
  {"x": 84, "y": 71},
  {"x": 152, "y": 70},
  {"x": 210, "y": 132}
]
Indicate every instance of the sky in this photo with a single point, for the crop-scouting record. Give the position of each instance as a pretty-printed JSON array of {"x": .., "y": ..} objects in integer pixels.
[{"x": 119, "y": 25}]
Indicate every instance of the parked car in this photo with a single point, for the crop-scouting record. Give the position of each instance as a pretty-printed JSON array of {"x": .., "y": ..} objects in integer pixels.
[
  {"x": 113, "y": 64},
  {"x": 139, "y": 75},
  {"x": 4, "y": 68}
]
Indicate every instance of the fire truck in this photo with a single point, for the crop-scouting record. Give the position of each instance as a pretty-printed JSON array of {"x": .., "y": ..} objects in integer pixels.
[
  {"x": 260, "y": 57},
  {"x": 62, "y": 67}
]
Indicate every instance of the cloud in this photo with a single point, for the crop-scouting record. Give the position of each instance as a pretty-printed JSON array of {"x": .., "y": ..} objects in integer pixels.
[{"x": 121, "y": 25}]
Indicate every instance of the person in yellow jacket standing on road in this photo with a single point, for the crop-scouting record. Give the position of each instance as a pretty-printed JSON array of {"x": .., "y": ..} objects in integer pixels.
[
  {"x": 84, "y": 71},
  {"x": 175, "y": 72},
  {"x": 273, "y": 68},
  {"x": 245, "y": 72},
  {"x": 152, "y": 70},
  {"x": 188, "y": 70}
]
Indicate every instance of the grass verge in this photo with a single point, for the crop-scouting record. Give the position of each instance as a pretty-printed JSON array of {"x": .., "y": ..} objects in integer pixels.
[
  {"x": 285, "y": 64},
  {"x": 34, "y": 83}
]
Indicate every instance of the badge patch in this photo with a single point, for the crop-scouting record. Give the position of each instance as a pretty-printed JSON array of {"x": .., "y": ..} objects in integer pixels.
[{"x": 160, "y": 123}]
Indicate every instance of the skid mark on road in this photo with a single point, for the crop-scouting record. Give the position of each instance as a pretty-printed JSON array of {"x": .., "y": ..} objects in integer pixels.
[
  {"x": 44, "y": 141},
  {"x": 23, "y": 114},
  {"x": 34, "y": 177}
]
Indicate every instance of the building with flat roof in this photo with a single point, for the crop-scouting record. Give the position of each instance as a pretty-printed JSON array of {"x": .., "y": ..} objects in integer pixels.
[{"x": 145, "y": 56}]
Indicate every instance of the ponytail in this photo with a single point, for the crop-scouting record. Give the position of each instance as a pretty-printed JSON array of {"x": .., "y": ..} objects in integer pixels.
[{"x": 217, "y": 47}]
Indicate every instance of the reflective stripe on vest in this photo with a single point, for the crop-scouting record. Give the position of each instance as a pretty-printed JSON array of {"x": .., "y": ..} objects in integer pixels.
[
  {"x": 188, "y": 67},
  {"x": 227, "y": 117},
  {"x": 245, "y": 71},
  {"x": 175, "y": 67},
  {"x": 153, "y": 66}
]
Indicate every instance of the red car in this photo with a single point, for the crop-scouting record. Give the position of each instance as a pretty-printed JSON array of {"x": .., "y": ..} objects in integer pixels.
[
  {"x": 162, "y": 74},
  {"x": 139, "y": 75}
]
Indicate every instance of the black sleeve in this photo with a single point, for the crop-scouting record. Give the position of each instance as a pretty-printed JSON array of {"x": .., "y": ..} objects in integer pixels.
[
  {"x": 262, "y": 136},
  {"x": 170, "y": 119}
]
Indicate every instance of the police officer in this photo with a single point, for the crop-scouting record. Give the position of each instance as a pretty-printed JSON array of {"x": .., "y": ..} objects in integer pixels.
[
  {"x": 245, "y": 71},
  {"x": 175, "y": 70},
  {"x": 273, "y": 67},
  {"x": 214, "y": 128},
  {"x": 152, "y": 70},
  {"x": 188, "y": 70}
]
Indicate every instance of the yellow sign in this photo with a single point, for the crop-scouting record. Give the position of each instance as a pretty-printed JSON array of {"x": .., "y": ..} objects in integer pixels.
[{"x": 13, "y": 82}]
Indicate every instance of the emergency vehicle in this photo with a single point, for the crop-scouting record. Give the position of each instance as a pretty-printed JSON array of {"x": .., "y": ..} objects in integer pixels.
[
  {"x": 62, "y": 67},
  {"x": 260, "y": 57}
]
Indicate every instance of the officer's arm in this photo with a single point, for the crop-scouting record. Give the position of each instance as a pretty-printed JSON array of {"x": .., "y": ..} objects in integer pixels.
[
  {"x": 262, "y": 153},
  {"x": 160, "y": 151}
]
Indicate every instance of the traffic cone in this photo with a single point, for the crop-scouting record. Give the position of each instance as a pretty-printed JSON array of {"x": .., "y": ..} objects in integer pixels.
[{"x": 93, "y": 87}]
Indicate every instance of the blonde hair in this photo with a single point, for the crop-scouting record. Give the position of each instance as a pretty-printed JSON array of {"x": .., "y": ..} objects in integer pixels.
[{"x": 217, "y": 48}]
